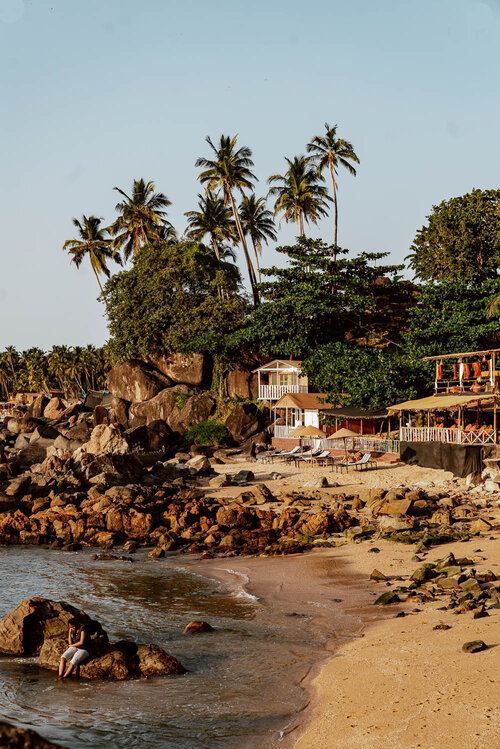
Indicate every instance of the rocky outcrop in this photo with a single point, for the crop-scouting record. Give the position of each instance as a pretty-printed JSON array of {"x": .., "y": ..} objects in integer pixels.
[
  {"x": 242, "y": 383},
  {"x": 185, "y": 369},
  {"x": 39, "y": 627},
  {"x": 54, "y": 409},
  {"x": 173, "y": 406},
  {"x": 106, "y": 439},
  {"x": 245, "y": 420},
  {"x": 135, "y": 381},
  {"x": 14, "y": 737}
]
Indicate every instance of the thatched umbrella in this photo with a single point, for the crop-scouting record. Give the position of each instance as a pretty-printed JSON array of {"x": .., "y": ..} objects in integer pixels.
[
  {"x": 343, "y": 434},
  {"x": 308, "y": 431}
]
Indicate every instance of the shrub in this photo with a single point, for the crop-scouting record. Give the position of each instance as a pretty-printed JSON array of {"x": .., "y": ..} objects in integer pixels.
[{"x": 209, "y": 432}]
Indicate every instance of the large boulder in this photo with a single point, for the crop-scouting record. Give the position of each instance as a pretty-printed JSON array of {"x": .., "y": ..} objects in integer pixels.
[
  {"x": 39, "y": 627},
  {"x": 54, "y": 409},
  {"x": 38, "y": 406},
  {"x": 173, "y": 406},
  {"x": 186, "y": 369},
  {"x": 135, "y": 381},
  {"x": 13, "y": 737},
  {"x": 106, "y": 439},
  {"x": 242, "y": 383},
  {"x": 244, "y": 421}
]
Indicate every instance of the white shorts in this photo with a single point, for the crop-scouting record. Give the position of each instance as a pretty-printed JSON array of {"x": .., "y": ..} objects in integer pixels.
[{"x": 75, "y": 655}]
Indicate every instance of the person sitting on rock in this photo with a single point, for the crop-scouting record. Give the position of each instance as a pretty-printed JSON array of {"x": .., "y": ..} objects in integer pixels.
[{"x": 76, "y": 654}]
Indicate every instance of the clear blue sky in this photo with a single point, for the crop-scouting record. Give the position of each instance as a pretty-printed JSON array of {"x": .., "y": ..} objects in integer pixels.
[{"x": 95, "y": 93}]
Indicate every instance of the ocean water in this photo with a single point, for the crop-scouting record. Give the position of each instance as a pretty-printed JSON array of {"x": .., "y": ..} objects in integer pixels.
[{"x": 243, "y": 686}]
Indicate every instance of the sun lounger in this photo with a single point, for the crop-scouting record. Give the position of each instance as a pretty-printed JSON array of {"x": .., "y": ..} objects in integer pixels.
[
  {"x": 306, "y": 456},
  {"x": 364, "y": 462},
  {"x": 289, "y": 454},
  {"x": 315, "y": 458}
]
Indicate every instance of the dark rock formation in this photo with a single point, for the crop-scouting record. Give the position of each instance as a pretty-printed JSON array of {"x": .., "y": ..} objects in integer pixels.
[
  {"x": 135, "y": 381},
  {"x": 13, "y": 737},
  {"x": 39, "y": 627}
]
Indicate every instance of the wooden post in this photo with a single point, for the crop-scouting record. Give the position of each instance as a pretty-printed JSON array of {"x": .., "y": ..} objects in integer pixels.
[
  {"x": 492, "y": 371},
  {"x": 258, "y": 381},
  {"x": 437, "y": 378},
  {"x": 495, "y": 419}
]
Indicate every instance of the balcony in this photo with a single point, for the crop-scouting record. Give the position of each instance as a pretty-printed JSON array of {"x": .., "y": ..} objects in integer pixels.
[{"x": 275, "y": 392}]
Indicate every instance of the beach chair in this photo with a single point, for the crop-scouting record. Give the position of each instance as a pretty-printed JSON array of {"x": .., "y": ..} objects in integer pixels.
[
  {"x": 364, "y": 462},
  {"x": 289, "y": 454},
  {"x": 307, "y": 456},
  {"x": 267, "y": 457},
  {"x": 315, "y": 459}
]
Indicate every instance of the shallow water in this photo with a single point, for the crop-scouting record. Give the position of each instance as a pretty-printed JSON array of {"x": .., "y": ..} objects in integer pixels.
[{"x": 243, "y": 685}]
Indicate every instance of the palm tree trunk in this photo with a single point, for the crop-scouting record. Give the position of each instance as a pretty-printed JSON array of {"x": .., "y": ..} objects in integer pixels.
[
  {"x": 257, "y": 261},
  {"x": 96, "y": 274},
  {"x": 336, "y": 212},
  {"x": 301, "y": 224},
  {"x": 251, "y": 270}
]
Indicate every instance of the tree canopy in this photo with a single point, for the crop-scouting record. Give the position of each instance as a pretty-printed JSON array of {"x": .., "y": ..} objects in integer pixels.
[{"x": 461, "y": 240}]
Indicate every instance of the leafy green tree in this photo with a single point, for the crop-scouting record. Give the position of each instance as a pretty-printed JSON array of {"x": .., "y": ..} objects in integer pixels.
[
  {"x": 329, "y": 153},
  {"x": 93, "y": 242},
  {"x": 168, "y": 301},
  {"x": 314, "y": 300},
  {"x": 257, "y": 222},
  {"x": 230, "y": 170},
  {"x": 213, "y": 218},
  {"x": 361, "y": 376},
  {"x": 142, "y": 219},
  {"x": 450, "y": 317},
  {"x": 300, "y": 196},
  {"x": 461, "y": 240}
]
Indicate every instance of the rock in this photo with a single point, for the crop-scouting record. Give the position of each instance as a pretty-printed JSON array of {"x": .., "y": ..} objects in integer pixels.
[
  {"x": 106, "y": 439},
  {"x": 386, "y": 598},
  {"x": 119, "y": 411},
  {"x": 474, "y": 646},
  {"x": 243, "y": 477},
  {"x": 221, "y": 479},
  {"x": 388, "y": 523},
  {"x": 100, "y": 415},
  {"x": 318, "y": 483},
  {"x": 491, "y": 486},
  {"x": 13, "y": 737},
  {"x": 257, "y": 495},
  {"x": 241, "y": 383},
  {"x": 154, "y": 661},
  {"x": 38, "y": 406},
  {"x": 39, "y": 627},
  {"x": 394, "y": 506},
  {"x": 156, "y": 553},
  {"x": 173, "y": 406},
  {"x": 245, "y": 420},
  {"x": 200, "y": 464},
  {"x": 17, "y": 487},
  {"x": 481, "y": 526},
  {"x": 135, "y": 381},
  {"x": 197, "y": 627},
  {"x": 442, "y": 626},
  {"x": 377, "y": 575},
  {"x": 54, "y": 409},
  {"x": 184, "y": 369}
]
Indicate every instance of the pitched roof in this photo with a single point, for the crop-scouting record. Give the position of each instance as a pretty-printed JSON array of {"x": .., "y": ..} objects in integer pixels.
[
  {"x": 307, "y": 401},
  {"x": 286, "y": 364}
]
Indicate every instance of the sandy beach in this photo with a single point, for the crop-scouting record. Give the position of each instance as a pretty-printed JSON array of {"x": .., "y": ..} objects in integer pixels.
[{"x": 391, "y": 681}]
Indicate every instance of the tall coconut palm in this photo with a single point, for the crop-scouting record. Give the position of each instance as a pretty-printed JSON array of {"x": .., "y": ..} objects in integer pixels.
[
  {"x": 93, "y": 242},
  {"x": 329, "y": 153},
  {"x": 257, "y": 222},
  {"x": 214, "y": 218},
  {"x": 141, "y": 218},
  {"x": 300, "y": 196},
  {"x": 230, "y": 170}
]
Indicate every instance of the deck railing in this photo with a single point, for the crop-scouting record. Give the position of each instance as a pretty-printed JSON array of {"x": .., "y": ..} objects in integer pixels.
[
  {"x": 365, "y": 444},
  {"x": 450, "y": 436},
  {"x": 275, "y": 392}
]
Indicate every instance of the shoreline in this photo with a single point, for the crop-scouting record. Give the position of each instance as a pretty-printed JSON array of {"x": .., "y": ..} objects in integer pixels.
[{"x": 318, "y": 584}]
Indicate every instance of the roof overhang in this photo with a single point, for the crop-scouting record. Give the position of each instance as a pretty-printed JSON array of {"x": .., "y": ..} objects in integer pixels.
[{"x": 444, "y": 402}]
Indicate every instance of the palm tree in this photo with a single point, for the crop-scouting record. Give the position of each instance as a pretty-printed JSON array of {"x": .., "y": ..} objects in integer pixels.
[
  {"x": 214, "y": 218},
  {"x": 93, "y": 242},
  {"x": 142, "y": 218},
  {"x": 257, "y": 221},
  {"x": 230, "y": 170},
  {"x": 299, "y": 195},
  {"x": 329, "y": 153}
]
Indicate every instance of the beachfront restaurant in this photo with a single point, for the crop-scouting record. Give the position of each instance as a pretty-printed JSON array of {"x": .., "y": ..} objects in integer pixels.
[{"x": 454, "y": 431}]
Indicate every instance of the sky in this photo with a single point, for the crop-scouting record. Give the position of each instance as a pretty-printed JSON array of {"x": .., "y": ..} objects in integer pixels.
[{"x": 95, "y": 93}]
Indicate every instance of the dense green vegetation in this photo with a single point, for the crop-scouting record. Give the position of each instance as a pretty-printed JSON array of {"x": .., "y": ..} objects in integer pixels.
[
  {"x": 209, "y": 432},
  {"x": 358, "y": 322}
]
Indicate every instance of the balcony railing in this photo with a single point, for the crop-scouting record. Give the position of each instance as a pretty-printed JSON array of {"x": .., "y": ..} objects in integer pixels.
[
  {"x": 365, "y": 444},
  {"x": 275, "y": 392},
  {"x": 450, "y": 436}
]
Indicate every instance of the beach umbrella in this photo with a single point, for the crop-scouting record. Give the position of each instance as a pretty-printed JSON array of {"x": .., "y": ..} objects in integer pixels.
[
  {"x": 343, "y": 434},
  {"x": 309, "y": 431}
]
